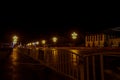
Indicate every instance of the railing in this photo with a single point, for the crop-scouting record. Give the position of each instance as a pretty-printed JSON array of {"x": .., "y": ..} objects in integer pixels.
[
  {"x": 63, "y": 61},
  {"x": 72, "y": 63}
]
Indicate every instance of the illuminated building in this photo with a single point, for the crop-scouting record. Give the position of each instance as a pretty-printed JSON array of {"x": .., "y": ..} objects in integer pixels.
[{"x": 102, "y": 40}]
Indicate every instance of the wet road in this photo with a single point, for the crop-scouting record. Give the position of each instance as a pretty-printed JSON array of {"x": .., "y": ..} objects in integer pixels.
[
  {"x": 112, "y": 67},
  {"x": 21, "y": 67}
]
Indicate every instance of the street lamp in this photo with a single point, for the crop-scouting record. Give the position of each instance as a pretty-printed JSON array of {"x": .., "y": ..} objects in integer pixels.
[
  {"x": 43, "y": 42},
  {"x": 54, "y": 39},
  {"x": 15, "y": 39},
  {"x": 29, "y": 45},
  {"x": 74, "y": 35},
  {"x": 33, "y": 43},
  {"x": 37, "y": 43}
]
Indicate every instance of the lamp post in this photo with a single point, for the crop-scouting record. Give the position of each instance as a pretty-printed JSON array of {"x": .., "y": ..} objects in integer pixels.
[
  {"x": 74, "y": 36},
  {"x": 37, "y": 43},
  {"x": 15, "y": 40},
  {"x": 43, "y": 42},
  {"x": 54, "y": 39}
]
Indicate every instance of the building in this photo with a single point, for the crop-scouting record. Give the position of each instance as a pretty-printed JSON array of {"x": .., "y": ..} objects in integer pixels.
[
  {"x": 114, "y": 42},
  {"x": 94, "y": 40},
  {"x": 102, "y": 40}
]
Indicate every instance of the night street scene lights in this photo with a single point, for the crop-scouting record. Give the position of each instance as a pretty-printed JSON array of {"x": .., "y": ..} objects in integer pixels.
[
  {"x": 37, "y": 42},
  {"x": 43, "y": 42},
  {"x": 54, "y": 39},
  {"x": 15, "y": 40},
  {"x": 74, "y": 35}
]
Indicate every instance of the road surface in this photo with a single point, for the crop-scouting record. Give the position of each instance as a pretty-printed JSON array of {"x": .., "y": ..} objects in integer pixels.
[{"x": 21, "y": 67}]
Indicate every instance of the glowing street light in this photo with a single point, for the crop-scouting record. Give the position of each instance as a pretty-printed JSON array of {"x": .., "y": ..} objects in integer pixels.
[
  {"x": 15, "y": 39},
  {"x": 29, "y": 44},
  {"x": 74, "y": 35},
  {"x": 37, "y": 43},
  {"x": 43, "y": 42},
  {"x": 54, "y": 39},
  {"x": 33, "y": 43}
]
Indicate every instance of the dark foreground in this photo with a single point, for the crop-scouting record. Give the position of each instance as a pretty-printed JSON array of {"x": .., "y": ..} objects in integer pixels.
[{"x": 16, "y": 66}]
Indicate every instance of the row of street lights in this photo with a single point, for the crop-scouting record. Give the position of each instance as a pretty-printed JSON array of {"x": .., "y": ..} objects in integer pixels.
[
  {"x": 43, "y": 42},
  {"x": 74, "y": 36}
]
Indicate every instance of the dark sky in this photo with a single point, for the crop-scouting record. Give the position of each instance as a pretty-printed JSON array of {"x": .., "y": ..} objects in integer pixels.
[{"x": 45, "y": 23}]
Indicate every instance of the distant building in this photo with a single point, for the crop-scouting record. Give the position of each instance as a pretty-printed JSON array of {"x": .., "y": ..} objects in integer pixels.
[
  {"x": 114, "y": 42},
  {"x": 94, "y": 40},
  {"x": 102, "y": 40}
]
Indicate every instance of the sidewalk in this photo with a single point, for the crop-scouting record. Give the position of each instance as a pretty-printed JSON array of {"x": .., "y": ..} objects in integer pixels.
[{"x": 21, "y": 67}]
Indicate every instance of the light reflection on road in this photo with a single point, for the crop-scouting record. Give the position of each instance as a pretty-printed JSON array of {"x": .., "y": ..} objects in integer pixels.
[
  {"x": 74, "y": 56},
  {"x": 14, "y": 56},
  {"x": 55, "y": 52},
  {"x": 55, "y": 55},
  {"x": 73, "y": 53}
]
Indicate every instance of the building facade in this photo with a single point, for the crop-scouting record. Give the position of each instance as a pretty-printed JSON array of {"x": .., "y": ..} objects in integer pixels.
[
  {"x": 101, "y": 40},
  {"x": 95, "y": 40},
  {"x": 114, "y": 42}
]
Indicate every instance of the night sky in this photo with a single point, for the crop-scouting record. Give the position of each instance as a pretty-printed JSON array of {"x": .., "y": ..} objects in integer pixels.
[{"x": 29, "y": 26}]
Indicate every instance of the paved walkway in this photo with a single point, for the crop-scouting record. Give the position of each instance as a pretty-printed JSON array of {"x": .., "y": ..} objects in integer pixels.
[{"x": 21, "y": 67}]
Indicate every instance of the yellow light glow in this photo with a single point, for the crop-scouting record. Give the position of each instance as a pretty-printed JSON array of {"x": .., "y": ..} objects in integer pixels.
[
  {"x": 54, "y": 39},
  {"x": 74, "y": 59},
  {"x": 15, "y": 37},
  {"x": 33, "y": 43},
  {"x": 14, "y": 42},
  {"x": 14, "y": 56},
  {"x": 55, "y": 55},
  {"x": 74, "y": 56},
  {"x": 43, "y": 41},
  {"x": 75, "y": 51},
  {"x": 74, "y": 35},
  {"x": 37, "y": 43},
  {"x": 30, "y": 44}
]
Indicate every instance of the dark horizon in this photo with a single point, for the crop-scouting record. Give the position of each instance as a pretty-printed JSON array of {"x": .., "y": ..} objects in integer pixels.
[{"x": 36, "y": 27}]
